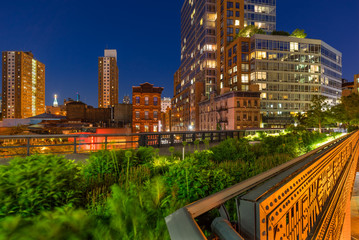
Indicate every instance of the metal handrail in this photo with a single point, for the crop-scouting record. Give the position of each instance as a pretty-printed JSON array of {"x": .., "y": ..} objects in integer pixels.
[
  {"x": 184, "y": 218},
  {"x": 129, "y": 141}
]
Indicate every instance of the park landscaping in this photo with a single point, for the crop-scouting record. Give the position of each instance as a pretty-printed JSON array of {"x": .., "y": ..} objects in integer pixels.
[{"x": 127, "y": 194}]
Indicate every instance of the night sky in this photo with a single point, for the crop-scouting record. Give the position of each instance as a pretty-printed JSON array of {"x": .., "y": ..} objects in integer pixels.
[{"x": 68, "y": 36}]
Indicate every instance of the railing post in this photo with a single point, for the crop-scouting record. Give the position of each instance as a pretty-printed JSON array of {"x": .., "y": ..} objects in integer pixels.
[
  {"x": 28, "y": 147},
  {"x": 75, "y": 147},
  {"x": 193, "y": 137},
  {"x": 105, "y": 142},
  {"x": 211, "y": 136},
  {"x": 172, "y": 139},
  {"x": 159, "y": 140},
  {"x": 219, "y": 136}
]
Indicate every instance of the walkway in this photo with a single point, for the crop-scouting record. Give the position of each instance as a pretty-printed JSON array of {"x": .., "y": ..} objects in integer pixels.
[{"x": 355, "y": 210}]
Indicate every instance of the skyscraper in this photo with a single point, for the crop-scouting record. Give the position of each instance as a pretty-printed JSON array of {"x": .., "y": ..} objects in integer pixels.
[
  {"x": 108, "y": 79},
  {"x": 198, "y": 59},
  {"x": 23, "y": 85},
  {"x": 232, "y": 16}
]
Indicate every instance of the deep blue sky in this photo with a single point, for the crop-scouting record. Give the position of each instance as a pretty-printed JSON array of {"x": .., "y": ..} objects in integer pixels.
[{"x": 69, "y": 35}]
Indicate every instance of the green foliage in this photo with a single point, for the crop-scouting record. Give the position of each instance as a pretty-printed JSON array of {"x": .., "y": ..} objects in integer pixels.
[
  {"x": 318, "y": 114},
  {"x": 298, "y": 33},
  {"x": 63, "y": 223},
  {"x": 280, "y": 33},
  {"x": 37, "y": 183},
  {"x": 137, "y": 213},
  {"x": 106, "y": 162},
  {"x": 195, "y": 178},
  {"x": 232, "y": 150},
  {"x": 249, "y": 31}
]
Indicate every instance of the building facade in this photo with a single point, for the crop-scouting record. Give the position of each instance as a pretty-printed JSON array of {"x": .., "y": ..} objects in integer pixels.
[
  {"x": 108, "y": 79},
  {"x": 231, "y": 110},
  {"x": 232, "y": 16},
  {"x": 289, "y": 72},
  {"x": 165, "y": 103},
  {"x": 23, "y": 85},
  {"x": 198, "y": 60},
  {"x": 146, "y": 108}
]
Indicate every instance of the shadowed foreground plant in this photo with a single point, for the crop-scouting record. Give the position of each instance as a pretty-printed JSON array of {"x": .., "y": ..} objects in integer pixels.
[{"x": 36, "y": 183}]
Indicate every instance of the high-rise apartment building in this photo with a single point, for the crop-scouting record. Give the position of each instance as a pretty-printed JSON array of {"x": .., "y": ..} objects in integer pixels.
[
  {"x": 289, "y": 72},
  {"x": 23, "y": 85},
  {"x": 198, "y": 59},
  {"x": 232, "y": 16},
  {"x": 108, "y": 79}
]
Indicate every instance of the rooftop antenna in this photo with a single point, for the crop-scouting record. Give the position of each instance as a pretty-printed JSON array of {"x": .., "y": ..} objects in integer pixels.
[{"x": 77, "y": 97}]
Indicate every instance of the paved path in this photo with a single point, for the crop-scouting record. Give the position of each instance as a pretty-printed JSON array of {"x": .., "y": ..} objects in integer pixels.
[{"x": 355, "y": 210}]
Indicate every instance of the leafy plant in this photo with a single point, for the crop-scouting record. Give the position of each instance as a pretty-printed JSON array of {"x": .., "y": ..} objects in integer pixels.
[{"x": 36, "y": 183}]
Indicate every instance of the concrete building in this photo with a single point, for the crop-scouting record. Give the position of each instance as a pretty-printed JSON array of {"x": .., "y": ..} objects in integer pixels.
[
  {"x": 165, "y": 103},
  {"x": 146, "y": 107},
  {"x": 289, "y": 72},
  {"x": 23, "y": 85},
  {"x": 231, "y": 110},
  {"x": 108, "y": 79}
]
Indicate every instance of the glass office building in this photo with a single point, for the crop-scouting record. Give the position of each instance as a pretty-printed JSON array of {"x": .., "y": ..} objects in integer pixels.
[{"x": 289, "y": 72}]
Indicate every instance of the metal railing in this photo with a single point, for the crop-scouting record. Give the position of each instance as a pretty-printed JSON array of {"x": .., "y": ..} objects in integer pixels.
[
  {"x": 267, "y": 203},
  {"x": 25, "y": 145}
]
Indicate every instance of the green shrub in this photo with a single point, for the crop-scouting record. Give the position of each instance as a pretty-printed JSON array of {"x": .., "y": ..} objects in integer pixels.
[
  {"x": 193, "y": 179},
  {"x": 108, "y": 162},
  {"x": 233, "y": 150},
  {"x": 40, "y": 182},
  {"x": 145, "y": 154},
  {"x": 64, "y": 223}
]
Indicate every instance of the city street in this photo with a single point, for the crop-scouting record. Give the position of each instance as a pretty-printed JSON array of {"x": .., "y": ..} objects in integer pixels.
[{"x": 355, "y": 210}]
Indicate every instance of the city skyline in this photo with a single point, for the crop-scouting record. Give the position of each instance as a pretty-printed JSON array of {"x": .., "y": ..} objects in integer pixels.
[{"x": 70, "y": 51}]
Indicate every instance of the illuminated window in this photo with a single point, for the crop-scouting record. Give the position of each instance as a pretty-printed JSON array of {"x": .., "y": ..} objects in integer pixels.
[
  {"x": 146, "y": 100},
  {"x": 147, "y": 129},
  {"x": 245, "y": 78}
]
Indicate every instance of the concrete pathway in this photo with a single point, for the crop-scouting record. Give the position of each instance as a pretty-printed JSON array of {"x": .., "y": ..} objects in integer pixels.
[{"x": 355, "y": 210}]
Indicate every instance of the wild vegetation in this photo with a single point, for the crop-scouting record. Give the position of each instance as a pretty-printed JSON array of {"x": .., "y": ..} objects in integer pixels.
[{"x": 127, "y": 194}]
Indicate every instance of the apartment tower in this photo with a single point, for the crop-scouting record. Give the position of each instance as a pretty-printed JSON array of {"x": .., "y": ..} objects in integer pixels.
[
  {"x": 23, "y": 85},
  {"x": 198, "y": 61},
  {"x": 108, "y": 79}
]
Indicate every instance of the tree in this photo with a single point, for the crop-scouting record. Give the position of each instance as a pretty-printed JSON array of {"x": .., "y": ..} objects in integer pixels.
[
  {"x": 249, "y": 31},
  {"x": 280, "y": 33},
  {"x": 350, "y": 108},
  {"x": 299, "y": 33},
  {"x": 318, "y": 114}
]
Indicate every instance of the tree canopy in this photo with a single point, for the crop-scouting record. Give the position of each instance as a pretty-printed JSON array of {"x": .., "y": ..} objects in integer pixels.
[
  {"x": 249, "y": 31},
  {"x": 299, "y": 33}
]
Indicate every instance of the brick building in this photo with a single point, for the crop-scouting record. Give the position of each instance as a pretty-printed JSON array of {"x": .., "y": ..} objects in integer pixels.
[
  {"x": 146, "y": 108},
  {"x": 232, "y": 110}
]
